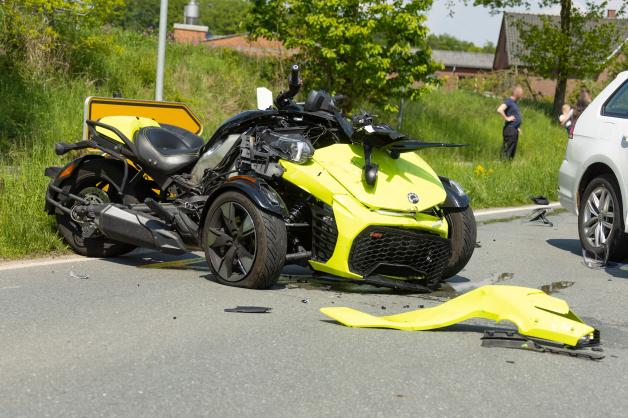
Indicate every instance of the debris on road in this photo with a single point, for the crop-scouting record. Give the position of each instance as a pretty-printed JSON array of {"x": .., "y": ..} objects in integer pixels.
[
  {"x": 78, "y": 276},
  {"x": 510, "y": 339},
  {"x": 535, "y": 314},
  {"x": 505, "y": 276},
  {"x": 540, "y": 200},
  {"x": 595, "y": 261},
  {"x": 249, "y": 309},
  {"x": 305, "y": 301},
  {"x": 556, "y": 286},
  {"x": 539, "y": 217}
]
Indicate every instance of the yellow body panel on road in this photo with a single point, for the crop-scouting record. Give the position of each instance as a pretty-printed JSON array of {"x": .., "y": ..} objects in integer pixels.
[{"x": 535, "y": 313}]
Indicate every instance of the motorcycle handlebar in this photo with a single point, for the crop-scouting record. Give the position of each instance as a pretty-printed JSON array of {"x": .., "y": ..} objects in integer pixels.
[
  {"x": 294, "y": 76},
  {"x": 294, "y": 83}
]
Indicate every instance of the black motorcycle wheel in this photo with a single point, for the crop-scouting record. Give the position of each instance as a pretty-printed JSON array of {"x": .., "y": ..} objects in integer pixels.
[
  {"x": 244, "y": 246},
  {"x": 89, "y": 183},
  {"x": 462, "y": 234}
]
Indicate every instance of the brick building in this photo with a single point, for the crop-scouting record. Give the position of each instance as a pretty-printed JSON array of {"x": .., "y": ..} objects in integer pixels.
[{"x": 510, "y": 47}]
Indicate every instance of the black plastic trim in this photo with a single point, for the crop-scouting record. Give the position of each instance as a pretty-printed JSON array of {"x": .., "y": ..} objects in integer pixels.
[
  {"x": 56, "y": 181},
  {"x": 260, "y": 193},
  {"x": 453, "y": 199}
]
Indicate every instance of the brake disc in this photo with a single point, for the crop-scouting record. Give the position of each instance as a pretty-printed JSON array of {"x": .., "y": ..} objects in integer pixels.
[{"x": 94, "y": 196}]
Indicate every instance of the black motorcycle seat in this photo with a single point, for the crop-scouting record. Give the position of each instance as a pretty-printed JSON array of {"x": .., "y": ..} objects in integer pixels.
[{"x": 165, "y": 150}]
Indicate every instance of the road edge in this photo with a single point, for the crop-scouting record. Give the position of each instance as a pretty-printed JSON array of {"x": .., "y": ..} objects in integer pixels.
[{"x": 481, "y": 216}]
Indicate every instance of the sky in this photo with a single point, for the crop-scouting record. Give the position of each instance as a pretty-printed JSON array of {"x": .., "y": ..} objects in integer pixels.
[{"x": 476, "y": 24}]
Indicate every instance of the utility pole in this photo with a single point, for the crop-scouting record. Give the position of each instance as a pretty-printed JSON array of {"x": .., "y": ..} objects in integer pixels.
[{"x": 161, "y": 51}]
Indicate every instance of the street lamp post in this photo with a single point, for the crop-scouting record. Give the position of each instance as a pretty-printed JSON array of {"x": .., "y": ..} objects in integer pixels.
[{"x": 161, "y": 51}]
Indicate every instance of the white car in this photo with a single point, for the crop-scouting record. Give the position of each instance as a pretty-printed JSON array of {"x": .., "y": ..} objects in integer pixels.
[{"x": 593, "y": 180}]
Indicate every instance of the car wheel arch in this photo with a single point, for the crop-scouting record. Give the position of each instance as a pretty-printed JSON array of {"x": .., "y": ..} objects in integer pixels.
[{"x": 595, "y": 170}]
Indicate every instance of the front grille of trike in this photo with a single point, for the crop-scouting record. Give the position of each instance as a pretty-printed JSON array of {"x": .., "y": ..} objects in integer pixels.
[{"x": 398, "y": 252}]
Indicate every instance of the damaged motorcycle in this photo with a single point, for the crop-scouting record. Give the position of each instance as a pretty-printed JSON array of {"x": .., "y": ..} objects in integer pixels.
[{"x": 298, "y": 183}]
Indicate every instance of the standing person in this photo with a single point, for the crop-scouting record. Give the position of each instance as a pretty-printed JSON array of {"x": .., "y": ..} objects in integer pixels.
[
  {"x": 584, "y": 100},
  {"x": 509, "y": 110},
  {"x": 566, "y": 118}
]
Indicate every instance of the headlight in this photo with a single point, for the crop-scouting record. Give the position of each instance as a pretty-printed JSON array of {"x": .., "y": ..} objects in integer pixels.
[{"x": 291, "y": 146}]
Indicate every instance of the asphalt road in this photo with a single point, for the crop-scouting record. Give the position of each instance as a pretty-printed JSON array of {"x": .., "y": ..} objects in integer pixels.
[{"x": 145, "y": 341}]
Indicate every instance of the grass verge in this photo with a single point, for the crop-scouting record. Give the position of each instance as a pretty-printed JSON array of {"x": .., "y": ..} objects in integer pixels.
[{"x": 36, "y": 113}]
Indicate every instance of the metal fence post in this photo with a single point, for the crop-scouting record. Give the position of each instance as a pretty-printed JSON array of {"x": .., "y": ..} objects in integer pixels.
[{"x": 161, "y": 51}]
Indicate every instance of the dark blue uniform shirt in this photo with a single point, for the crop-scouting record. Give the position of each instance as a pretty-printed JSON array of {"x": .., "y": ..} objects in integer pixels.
[{"x": 512, "y": 109}]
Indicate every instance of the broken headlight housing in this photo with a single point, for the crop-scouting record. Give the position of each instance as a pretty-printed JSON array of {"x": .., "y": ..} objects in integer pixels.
[{"x": 289, "y": 144}]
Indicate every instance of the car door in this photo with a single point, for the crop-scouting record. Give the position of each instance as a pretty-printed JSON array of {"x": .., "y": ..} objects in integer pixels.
[{"x": 613, "y": 130}]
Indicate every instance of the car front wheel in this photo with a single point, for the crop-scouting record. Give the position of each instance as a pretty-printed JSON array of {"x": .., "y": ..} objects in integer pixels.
[{"x": 600, "y": 223}]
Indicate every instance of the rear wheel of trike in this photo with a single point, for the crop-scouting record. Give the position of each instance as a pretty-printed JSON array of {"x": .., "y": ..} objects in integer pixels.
[
  {"x": 244, "y": 246},
  {"x": 92, "y": 183},
  {"x": 462, "y": 234}
]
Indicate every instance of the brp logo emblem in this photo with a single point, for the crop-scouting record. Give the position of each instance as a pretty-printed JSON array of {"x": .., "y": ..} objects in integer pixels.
[{"x": 413, "y": 198}]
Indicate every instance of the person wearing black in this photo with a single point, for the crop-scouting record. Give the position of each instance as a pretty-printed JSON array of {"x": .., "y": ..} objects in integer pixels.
[{"x": 509, "y": 110}]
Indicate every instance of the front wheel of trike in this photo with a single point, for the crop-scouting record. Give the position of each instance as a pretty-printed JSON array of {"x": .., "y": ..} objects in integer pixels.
[
  {"x": 462, "y": 234},
  {"x": 244, "y": 246}
]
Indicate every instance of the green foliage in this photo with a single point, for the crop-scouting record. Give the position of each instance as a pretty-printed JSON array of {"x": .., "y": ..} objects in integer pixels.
[
  {"x": 451, "y": 43},
  {"x": 468, "y": 118},
  {"x": 225, "y": 17},
  {"x": 42, "y": 35},
  {"x": 575, "y": 46},
  {"x": 368, "y": 50},
  {"x": 221, "y": 16},
  {"x": 37, "y": 112},
  {"x": 575, "y": 51}
]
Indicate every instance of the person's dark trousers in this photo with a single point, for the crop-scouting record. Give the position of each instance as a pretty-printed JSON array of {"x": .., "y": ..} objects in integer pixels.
[{"x": 511, "y": 137}]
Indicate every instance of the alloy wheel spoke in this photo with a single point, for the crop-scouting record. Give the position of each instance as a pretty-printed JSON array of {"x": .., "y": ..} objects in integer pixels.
[
  {"x": 607, "y": 203},
  {"x": 591, "y": 221},
  {"x": 595, "y": 200},
  {"x": 592, "y": 210},
  {"x": 226, "y": 264},
  {"x": 246, "y": 227},
  {"x": 221, "y": 239},
  {"x": 228, "y": 216}
]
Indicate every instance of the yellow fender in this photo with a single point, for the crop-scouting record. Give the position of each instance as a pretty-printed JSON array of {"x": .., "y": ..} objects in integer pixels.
[{"x": 535, "y": 313}]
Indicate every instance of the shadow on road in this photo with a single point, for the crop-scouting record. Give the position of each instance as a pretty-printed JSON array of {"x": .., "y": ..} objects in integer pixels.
[
  {"x": 618, "y": 270},
  {"x": 569, "y": 245},
  {"x": 157, "y": 260}
]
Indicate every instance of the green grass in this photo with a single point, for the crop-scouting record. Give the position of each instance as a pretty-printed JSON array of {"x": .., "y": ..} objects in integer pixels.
[
  {"x": 468, "y": 118},
  {"x": 36, "y": 113}
]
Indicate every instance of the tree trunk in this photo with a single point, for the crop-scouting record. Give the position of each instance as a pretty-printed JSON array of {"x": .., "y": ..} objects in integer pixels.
[
  {"x": 563, "y": 59},
  {"x": 559, "y": 95}
]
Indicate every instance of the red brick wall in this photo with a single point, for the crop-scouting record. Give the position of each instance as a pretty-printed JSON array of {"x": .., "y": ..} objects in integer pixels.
[
  {"x": 188, "y": 36},
  {"x": 259, "y": 47}
]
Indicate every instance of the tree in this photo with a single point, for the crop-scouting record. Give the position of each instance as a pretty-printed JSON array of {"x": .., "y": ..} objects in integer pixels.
[
  {"x": 369, "y": 50},
  {"x": 575, "y": 45},
  {"x": 225, "y": 17},
  {"x": 39, "y": 35},
  {"x": 451, "y": 43},
  {"x": 221, "y": 16},
  {"x": 143, "y": 15}
]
